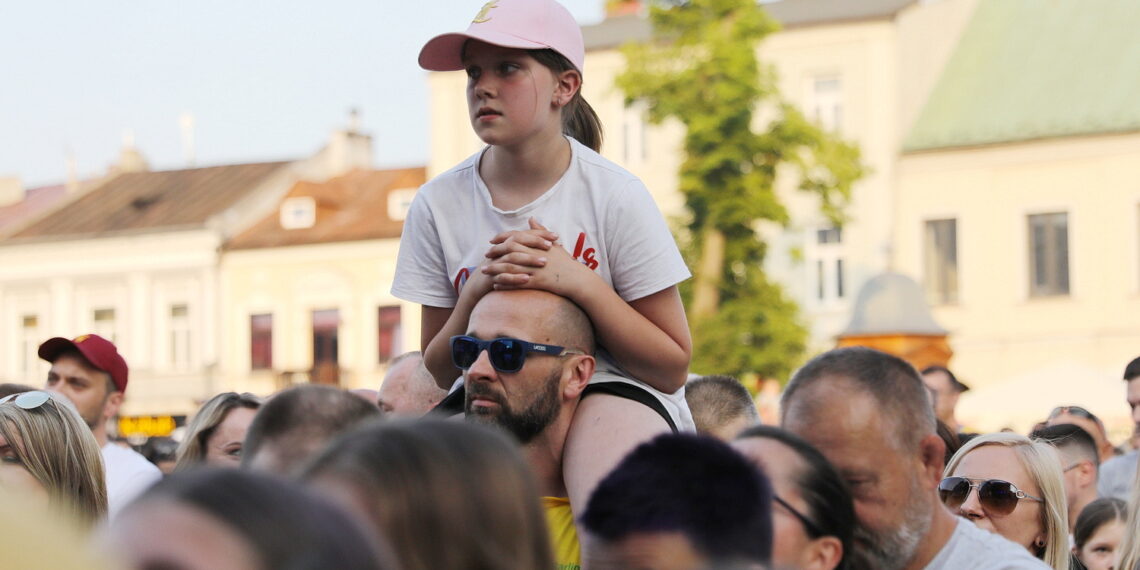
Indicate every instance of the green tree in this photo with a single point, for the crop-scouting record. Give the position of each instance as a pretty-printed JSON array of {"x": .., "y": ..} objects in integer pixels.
[{"x": 700, "y": 67}]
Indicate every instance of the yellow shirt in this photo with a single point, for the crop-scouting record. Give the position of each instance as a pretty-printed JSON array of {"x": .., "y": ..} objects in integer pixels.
[{"x": 563, "y": 533}]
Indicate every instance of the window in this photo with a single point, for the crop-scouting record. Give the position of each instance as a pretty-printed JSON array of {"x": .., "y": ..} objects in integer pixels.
[
  {"x": 104, "y": 323},
  {"x": 261, "y": 341},
  {"x": 829, "y": 282},
  {"x": 389, "y": 332},
  {"x": 30, "y": 339},
  {"x": 940, "y": 261},
  {"x": 298, "y": 213},
  {"x": 635, "y": 140},
  {"x": 826, "y": 102},
  {"x": 1048, "y": 254},
  {"x": 326, "y": 324},
  {"x": 399, "y": 201},
  {"x": 326, "y": 342},
  {"x": 180, "y": 337}
]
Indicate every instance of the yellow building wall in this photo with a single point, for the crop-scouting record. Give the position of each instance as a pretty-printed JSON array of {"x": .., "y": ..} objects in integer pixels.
[
  {"x": 292, "y": 282},
  {"x": 999, "y": 332}
]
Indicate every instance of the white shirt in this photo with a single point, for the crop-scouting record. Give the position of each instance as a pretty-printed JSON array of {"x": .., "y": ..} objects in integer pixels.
[
  {"x": 128, "y": 475},
  {"x": 604, "y": 215},
  {"x": 978, "y": 549}
]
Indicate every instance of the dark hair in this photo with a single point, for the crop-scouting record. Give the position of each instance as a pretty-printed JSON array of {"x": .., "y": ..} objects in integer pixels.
[
  {"x": 7, "y": 389},
  {"x": 692, "y": 484},
  {"x": 949, "y": 438},
  {"x": 716, "y": 400},
  {"x": 300, "y": 420},
  {"x": 578, "y": 118},
  {"x": 895, "y": 385},
  {"x": 829, "y": 503},
  {"x": 1095, "y": 515},
  {"x": 286, "y": 525},
  {"x": 957, "y": 384},
  {"x": 1132, "y": 370},
  {"x": 423, "y": 480},
  {"x": 1064, "y": 436}
]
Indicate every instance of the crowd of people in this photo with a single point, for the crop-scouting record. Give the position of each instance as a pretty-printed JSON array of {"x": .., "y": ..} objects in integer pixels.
[
  {"x": 857, "y": 475},
  {"x": 551, "y": 421}
]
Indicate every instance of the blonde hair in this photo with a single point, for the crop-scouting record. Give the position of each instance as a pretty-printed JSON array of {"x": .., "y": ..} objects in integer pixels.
[
  {"x": 59, "y": 450},
  {"x": 1042, "y": 464},
  {"x": 1130, "y": 546},
  {"x": 192, "y": 450}
]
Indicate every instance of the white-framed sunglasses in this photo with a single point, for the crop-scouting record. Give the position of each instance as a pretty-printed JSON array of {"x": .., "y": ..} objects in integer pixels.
[{"x": 27, "y": 400}]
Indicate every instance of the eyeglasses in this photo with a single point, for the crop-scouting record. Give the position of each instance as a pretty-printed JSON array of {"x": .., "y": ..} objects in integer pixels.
[
  {"x": 996, "y": 496},
  {"x": 507, "y": 354},
  {"x": 27, "y": 400},
  {"x": 811, "y": 528}
]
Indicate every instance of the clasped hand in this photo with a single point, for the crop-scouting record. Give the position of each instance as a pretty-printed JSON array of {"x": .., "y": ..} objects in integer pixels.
[{"x": 531, "y": 259}]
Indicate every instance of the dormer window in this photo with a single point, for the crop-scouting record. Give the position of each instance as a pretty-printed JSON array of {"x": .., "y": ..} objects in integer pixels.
[
  {"x": 398, "y": 203},
  {"x": 298, "y": 213}
]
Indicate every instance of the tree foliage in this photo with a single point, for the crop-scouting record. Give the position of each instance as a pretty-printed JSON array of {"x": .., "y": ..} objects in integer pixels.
[{"x": 700, "y": 68}]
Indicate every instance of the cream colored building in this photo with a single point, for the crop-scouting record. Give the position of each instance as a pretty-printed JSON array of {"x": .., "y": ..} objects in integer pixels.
[
  {"x": 843, "y": 64},
  {"x": 137, "y": 259},
  {"x": 305, "y": 291},
  {"x": 1018, "y": 205},
  {"x": 998, "y": 115}
]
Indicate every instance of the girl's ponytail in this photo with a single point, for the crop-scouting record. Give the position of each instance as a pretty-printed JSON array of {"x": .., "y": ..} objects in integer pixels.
[
  {"x": 581, "y": 122},
  {"x": 578, "y": 118}
]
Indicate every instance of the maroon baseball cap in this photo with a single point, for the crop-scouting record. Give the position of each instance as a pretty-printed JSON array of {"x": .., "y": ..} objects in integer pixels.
[{"x": 96, "y": 349}]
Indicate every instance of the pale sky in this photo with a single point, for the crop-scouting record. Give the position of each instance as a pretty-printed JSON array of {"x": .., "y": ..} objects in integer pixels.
[{"x": 264, "y": 80}]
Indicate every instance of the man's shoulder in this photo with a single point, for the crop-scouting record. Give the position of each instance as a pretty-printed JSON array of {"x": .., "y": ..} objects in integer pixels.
[
  {"x": 972, "y": 547},
  {"x": 1121, "y": 462},
  {"x": 126, "y": 459}
]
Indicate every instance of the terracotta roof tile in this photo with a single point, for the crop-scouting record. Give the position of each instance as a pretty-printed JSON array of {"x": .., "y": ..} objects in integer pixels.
[
  {"x": 153, "y": 201},
  {"x": 349, "y": 208}
]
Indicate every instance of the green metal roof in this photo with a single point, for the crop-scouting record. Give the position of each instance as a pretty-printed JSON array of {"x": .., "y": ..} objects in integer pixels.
[{"x": 1032, "y": 69}]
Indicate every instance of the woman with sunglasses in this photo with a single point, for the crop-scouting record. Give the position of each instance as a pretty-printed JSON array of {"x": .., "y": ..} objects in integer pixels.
[
  {"x": 46, "y": 450},
  {"x": 813, "y": 516},
  {"x": 1013, "y": 486}
]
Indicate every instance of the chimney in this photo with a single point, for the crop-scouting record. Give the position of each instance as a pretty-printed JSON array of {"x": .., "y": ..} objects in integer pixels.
[
  {"x": 72, "y": 183},
  {"x": 616, "y": 8},
  {"x": 11, "y": 190},
  {"x": 130, "y": 159},
  {"x": 186, "y": 122},
  {"x": 348, "y": 148}
]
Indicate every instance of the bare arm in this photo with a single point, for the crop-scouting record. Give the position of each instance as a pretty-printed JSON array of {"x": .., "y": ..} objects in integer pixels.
[{"x": 649, "y": 337}]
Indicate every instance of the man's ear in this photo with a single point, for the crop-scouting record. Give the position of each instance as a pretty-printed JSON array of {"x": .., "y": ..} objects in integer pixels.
[
  {"x": 580, "y": 369},
  {"x": 1087, "y": 473},
  {"x": 568, "y": 83},
  {"x": 932, "y": 452},
  {"x": 824, "y": 552},
  {"x": 111, "y": 406}
]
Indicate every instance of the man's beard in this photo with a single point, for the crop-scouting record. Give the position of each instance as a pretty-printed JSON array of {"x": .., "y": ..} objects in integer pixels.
[
  {"x": 892, "y": 550},
  {"x": 525, "y": 425}
]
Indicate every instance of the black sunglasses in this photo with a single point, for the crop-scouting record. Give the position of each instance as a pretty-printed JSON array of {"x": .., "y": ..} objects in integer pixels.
[
  {"x": 996, "y": 496},
  {"x": 507, "y": 354},
  {"x": 813, "y": 531},
  {"x": 1074, "y": 410}
]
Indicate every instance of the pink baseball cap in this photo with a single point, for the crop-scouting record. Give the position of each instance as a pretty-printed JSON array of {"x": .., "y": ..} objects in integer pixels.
[
  {"x": 96, "y": 349},
  {"x": 523, "y": 24}
]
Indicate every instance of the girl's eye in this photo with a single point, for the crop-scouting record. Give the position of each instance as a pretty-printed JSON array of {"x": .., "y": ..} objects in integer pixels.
[
  {"x": 472, "y": 72},
  {"x": 506, "y": 68}
]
